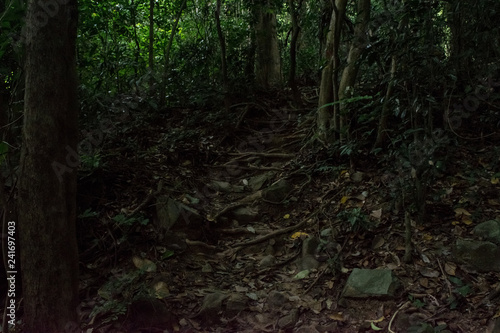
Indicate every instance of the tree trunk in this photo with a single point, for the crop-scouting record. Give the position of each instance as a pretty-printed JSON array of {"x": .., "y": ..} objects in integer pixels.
[
  {"x": 327, "y": 122},
  {"x": 151, "y": 34},
  {"x": 358, "y": 45},
  {"x": 386, "y": 110},
  {"x": 47, "y": 183},
  {"x": 268, "y": 66},
  {"x": 166, "y": 55},
  {"x": 222, "y": 43},
  {"x": 294, "y": 14}
]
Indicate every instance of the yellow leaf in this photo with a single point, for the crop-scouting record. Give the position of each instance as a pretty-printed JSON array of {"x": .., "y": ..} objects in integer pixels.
[
  {"x": 494, "y": 180},
  {"x": 467, "y": 221},
  {"x": 339, "y": 316},
  {"x": 461, "y": 211},
  {"x": 343, "y": 172},
  {"x": 161, "y": 290},
  {"x": 428, "y": 237},
  {"x": 344, "y": 199},
  {"x": 286, "y": 216},
  {"x": 299, "y": 234}
]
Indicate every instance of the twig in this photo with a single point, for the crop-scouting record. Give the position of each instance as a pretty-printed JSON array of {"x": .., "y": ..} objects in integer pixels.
[
  {"x": 148, "y": 199},
  {"x": 445, "y": 278},
  {"x": 394, "y": 316}
]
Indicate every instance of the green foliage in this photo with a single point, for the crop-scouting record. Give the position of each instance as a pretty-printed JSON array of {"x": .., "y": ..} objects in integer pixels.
[
  {"x": 130, "y": 220},
  {"x": 357, "y": 219},
  {"x": 88, "y": 213}
]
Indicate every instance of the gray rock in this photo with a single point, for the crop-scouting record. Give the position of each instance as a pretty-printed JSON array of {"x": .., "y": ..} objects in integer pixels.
[
  {"x": 288, "y": 321},
  {"x": 245, "y": 214},
  {"x": 267, "y": 261},
  {"x": 171, "y": 213},
  {"x": 481, "y": 255},
  {"x": 235, "y": 304},
  {"x": 489, "y": 230},
  {"x": 370, "y": 282},
  {"x": 277, "y": 192}
]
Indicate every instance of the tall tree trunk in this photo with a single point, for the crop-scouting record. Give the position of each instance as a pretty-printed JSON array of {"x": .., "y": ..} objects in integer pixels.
[
  {"x": 47, "y": 184},
  {"x": 222, "y": 43},
  {"x": 327, "y": 122},
  {"x": 294, "y": 14},
  {"x": 358, "y": 45},
  {"x": 137, "y": 52},
  {"x": 268, "y": 66},
  {"x": 166, "y": 55},
  {"x": 386, "y": 110},
  {"x": 151, "y": 55}
]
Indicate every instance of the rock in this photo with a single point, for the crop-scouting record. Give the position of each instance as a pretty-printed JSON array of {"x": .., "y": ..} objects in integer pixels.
[
  {"x": 289, "y": 320},
  {"x": 245, "y": 214},
  {"x": 171, "y": 213},
  {"x": 258, "y": 181},
  {"x": 369, "y": 283},
  {"x": 235, "y": 304},
  {"x": 489, "y": 230},
  {"x": 277, "y": 192},
  {"x": 310, "y": 246},
  {"x": 307, "y": 262},
  {"x": 167, "y": 211},
  {"x": 267, "y": 261},
  {"x": 481, "y": 255},
  {"x": 211, "y": 306},
  {"x": 226, "y": 187},
  {"x": 276, "y": 300},
  {"x": 148, "y": 312}
]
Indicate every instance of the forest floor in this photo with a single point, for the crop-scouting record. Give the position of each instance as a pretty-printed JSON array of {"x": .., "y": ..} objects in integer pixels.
[{"x": 249, "y": 192}]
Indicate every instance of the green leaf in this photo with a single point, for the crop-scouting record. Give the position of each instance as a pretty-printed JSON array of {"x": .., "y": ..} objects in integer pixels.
[
  {"x": 374, "y": 327},
  {"x": 302, "y": 274}
]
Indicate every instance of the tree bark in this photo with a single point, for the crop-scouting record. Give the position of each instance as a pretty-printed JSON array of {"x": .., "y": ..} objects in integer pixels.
[
  {"x": 358, "y": 45},
  {"x": 47, "y": 184},
  {"x": 294, "y": 14},
  {"x": 327, "y": 122},
  {"x": 222, "y": 43},
  {"x": 166, "y": 55},
  {"x": 268, "y": 66}
]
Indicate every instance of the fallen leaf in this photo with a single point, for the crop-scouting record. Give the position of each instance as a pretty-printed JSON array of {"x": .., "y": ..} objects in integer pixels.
[
  {"x": 344, "y": 199},
  {"x": 144, "y": 264},
  {"x": 299, "y": 234},
  {"x": 339, "y": 316},
  {"x": 376, "y": 213},
  {"x": 450, "y": 268},
  {"x": 461, "y": 211}
]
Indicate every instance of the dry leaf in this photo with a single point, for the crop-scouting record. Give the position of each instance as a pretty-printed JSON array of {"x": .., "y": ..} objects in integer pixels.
[
  {"x": 376, "y": 213},
  {"x": 450, "y": 268},
  {"x": 461, "y": 211}
]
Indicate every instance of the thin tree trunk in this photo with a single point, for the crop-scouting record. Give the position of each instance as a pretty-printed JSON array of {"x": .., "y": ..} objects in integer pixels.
[
  {"x": 327, "y": 115},
  {"x": 222, "y": 42},
  {"x": 163, "y": 87},
  {"x": 294, "y": 14},
  {"x": 268, "y": 66},
  {"x": 151, "y": 55},
  {"x": 386, "y": 110},
  {"x": 358, "y": 45},
  {"x": 47, "y": 183}
]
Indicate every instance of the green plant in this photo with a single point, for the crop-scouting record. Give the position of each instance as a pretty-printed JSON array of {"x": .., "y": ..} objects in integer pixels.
[
  {"x": 357, "y": 219},
  {"x": 88, "y": 213},
  {"x": 130, "y": 220}
]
